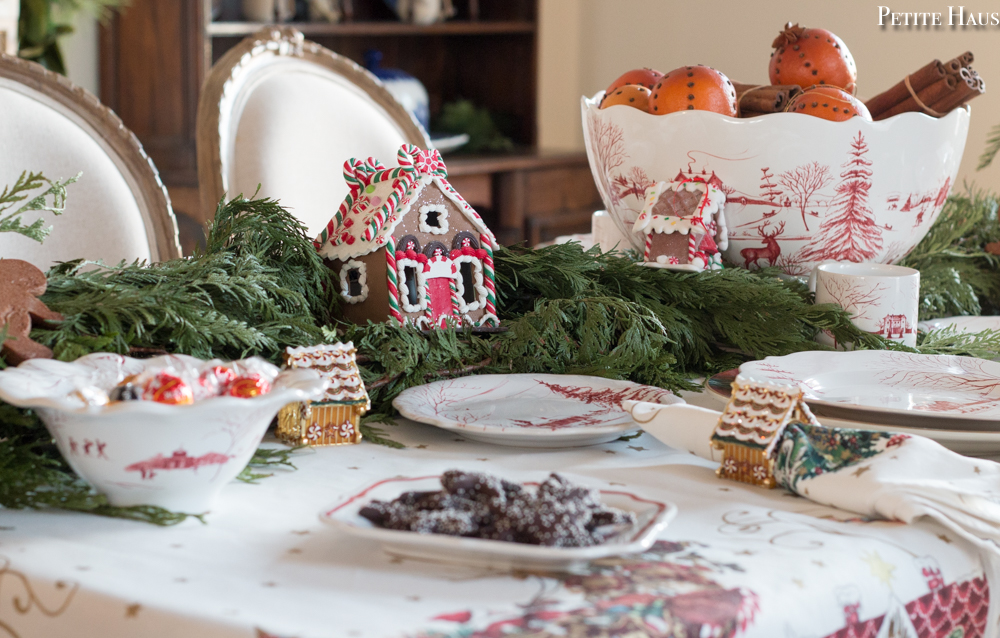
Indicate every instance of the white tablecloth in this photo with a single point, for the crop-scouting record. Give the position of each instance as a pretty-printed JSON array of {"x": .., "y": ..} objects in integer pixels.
[{"x": 764, "y": 563}]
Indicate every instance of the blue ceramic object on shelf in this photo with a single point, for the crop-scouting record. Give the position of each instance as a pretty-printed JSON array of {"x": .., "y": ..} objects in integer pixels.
[{"x": 407, "y": 90}]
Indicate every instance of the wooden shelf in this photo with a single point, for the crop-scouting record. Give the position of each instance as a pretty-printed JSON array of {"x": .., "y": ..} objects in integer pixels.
[
  {"x": 461, "y": 165},
  {"x": 378, "y": 28}
]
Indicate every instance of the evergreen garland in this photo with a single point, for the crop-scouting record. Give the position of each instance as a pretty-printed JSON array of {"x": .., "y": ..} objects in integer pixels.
[
  {"x": 259, "y": 286},
  {"x": 957, "y": 274}
]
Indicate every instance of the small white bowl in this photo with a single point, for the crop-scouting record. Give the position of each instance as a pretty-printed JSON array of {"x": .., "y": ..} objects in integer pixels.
[
  {"x": 768, "y": 166},
  {"x": 145, "y": 453}
]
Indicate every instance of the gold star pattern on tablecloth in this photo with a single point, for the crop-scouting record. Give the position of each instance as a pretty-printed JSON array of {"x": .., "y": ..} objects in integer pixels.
[
  {"x": 132, "y": 610},
  {"x": 944, "y": 538},
  {"x": 880, "y": 569},
  {"x": 861, "y": 470}
]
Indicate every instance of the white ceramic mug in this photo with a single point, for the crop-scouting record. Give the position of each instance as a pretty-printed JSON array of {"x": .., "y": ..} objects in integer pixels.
[{"x": 880, "y": 298}]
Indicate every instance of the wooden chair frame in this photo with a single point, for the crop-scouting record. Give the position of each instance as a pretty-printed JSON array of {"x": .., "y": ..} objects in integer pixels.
[
  {"x": 107, "y": 129},
  {"x": 238, "y": 68}
]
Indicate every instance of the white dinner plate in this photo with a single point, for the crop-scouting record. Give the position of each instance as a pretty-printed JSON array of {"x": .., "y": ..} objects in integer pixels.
[
  {"x": 879, "y": 386},
  {"x": 652, "y": 517},
  {"x": 986, "y": 444},
  {"x": 962, "y": 324},
  {"x": 530, "y": 410}
]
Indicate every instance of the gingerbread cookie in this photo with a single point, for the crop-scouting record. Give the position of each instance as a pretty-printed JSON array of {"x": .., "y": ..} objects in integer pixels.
[{"x": 20, "y": 286}]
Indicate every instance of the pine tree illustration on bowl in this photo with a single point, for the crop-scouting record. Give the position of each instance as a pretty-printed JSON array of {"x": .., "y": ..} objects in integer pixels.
[{"x": 798, "y": 189}]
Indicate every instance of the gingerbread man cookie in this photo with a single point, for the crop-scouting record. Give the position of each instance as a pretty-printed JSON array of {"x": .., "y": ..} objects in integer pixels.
[{"x": 20, "y": 286}]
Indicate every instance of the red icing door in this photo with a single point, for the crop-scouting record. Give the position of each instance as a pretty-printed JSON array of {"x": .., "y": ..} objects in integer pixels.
[{"x": 440, "y": 303}]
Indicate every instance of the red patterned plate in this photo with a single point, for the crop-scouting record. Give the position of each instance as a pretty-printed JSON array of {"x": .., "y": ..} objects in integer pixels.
[{"x": 530, "y": 410}]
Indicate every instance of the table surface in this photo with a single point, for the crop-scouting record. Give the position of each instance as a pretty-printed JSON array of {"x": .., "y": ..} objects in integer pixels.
[{"x": 763, "y": 562}]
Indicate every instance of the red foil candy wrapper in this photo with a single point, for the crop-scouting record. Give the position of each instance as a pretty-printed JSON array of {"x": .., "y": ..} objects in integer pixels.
[
  {"x": 214, "y": 381},
  {"x": 168, "y": 388},
  {"x": 248, "y": 386}
]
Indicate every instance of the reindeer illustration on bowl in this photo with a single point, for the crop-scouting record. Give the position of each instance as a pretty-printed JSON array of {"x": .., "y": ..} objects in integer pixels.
[{"x": 771, "y": 249}]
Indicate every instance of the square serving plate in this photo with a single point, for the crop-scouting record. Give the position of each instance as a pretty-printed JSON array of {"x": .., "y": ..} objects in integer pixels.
[{"x": 652, "y": 517}]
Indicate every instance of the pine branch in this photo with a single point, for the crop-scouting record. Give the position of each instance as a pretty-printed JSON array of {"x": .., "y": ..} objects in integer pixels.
[
  {"x": 957, "y": 275},
  {"x": 947, "y": 340},
  {"x": 52, "y": 199},
  {"x": 992, "y": 148},
  {"x": 267, "y": 458}
]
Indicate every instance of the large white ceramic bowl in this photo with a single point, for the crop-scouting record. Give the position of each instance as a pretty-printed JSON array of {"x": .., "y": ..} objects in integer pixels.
[
  {"x": 147, "y": 453},
  {"x": 799, "y": 189}
]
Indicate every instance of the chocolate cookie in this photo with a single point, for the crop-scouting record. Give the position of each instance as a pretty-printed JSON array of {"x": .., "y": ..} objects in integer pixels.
[{"x": 557, "y": 514}]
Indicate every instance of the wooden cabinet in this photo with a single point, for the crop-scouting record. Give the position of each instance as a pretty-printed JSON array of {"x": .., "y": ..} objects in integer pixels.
[{"x": 155, "y": 55}]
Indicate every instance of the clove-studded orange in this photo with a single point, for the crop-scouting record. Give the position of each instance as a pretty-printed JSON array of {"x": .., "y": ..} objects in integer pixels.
[
  {"x": 643, "y": 77},
  {"x": 812, "y": 56},
  {"x": 693, "y": 88},
  {"x": 829, "y": 103},
  {"x": 634, "y": 95}
]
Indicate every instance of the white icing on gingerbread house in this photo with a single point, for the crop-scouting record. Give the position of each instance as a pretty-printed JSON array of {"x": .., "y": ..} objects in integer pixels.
[
  {"x": 684, "y": 224},
  {"x": 409, "y": 248},
  {"x": 335, "y": 418},
  {"x": 751, "y": 426},
  {"x": 380, "y": 198}
]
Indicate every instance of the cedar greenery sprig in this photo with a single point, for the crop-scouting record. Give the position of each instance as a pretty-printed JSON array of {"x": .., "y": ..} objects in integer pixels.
[
  {"x": 259, "y": 286},
  {"x": 52, "y": 199},
  {"x": 957, "y": 275},
  {"x": 570, "y": 311}
]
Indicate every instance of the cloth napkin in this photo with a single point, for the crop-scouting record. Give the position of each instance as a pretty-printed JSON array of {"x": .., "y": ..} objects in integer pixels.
[{"x": 886, "y": 475}]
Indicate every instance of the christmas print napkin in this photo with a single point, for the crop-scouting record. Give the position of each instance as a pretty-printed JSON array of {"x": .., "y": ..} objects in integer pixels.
[
  {"x": 885, "y": 475},
  {"x": 875, "y": 474}
]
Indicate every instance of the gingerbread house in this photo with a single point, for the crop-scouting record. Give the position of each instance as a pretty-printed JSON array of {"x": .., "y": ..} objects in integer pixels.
[
  {"x": 683, "y": 224},
  {"x": 408, "y": 248},
  {"x": 335, "y": 418},
  {"x": 751, "y": 426}
]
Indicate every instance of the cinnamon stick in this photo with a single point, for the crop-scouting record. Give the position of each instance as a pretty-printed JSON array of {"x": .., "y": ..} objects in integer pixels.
[
  {"x": 919, "y": 80},
  {"x": 928, "y": 96},
  {"x": 760, "y": 99},
  {"x": 968, "y": 88}
]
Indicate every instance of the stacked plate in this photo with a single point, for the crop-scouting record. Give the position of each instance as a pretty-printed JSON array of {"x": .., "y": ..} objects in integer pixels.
[{"x": 953, "y": 400}]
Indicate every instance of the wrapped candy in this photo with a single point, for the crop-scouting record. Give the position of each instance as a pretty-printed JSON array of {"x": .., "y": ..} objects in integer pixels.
[
  {"x": 168, "y": 387},
  {"x": 183, "y": 381},
  {"x": 248, "y": 386},
  {"x": 213, "y": 381}
]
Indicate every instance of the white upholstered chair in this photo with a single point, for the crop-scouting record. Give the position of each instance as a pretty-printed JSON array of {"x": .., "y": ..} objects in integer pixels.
[
  {"x": 117, "y": 210},
  {"x": 285, "y": 113}
]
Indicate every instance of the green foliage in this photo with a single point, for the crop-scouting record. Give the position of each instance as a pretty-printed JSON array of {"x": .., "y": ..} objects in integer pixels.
[
  {"x": 52, "y": 199},
  {"x": 992, "y": 148},
  {"x": 267, "y": 458},
  {"x": 957, "y": 275},
  {"x": 253, "y": 291},
  {"x": 572, "y": 311},
  {"x": 42, "y": 22},
  {"x": 984, "y": 345},
  {"x": 259, "y": 286},
  {"x": 462, "y": 116}
]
